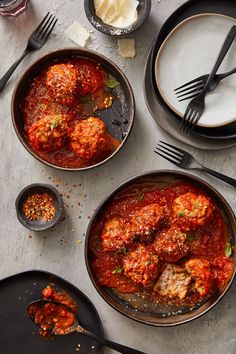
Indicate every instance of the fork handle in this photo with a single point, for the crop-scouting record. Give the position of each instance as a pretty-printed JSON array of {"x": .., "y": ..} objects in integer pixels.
[
  {"x": 10, "y": 71},
  {"x": 224, "y": 178},
  {"x": 223, "y": 52},
  {"x": 228, "y": 73},
  {"x": 110, "y": 344}
]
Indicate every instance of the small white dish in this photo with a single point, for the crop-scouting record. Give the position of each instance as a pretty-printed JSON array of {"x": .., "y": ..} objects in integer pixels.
[{"x": 190, "y": 51}]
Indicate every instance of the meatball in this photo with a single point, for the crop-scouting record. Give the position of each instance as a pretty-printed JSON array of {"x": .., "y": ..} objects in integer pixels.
[
  {"x": 174, "y": 282},
  {"x": 192, "y": 210},
  {"x": 115, "y": 234},
  {"x": 62, "y": 83},
  {"x": 200, "y": 270},
  {"x": 90, "y": 77},
  {"x": 141, "y": 265},
  {"x": 146, "y": 221},
  {"x": 171, "y": 245},
  {"x": 89, "y": 139},
  {"x": 49, "y": 133}
]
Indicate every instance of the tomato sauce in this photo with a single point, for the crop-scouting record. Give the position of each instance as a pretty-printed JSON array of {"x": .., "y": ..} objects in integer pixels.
[
  {"x": 209, "y": 241},
  {"x": 52, "y": 318},
  {"x": 56, "y": 316},
  {"x": 38, "y": 103}
]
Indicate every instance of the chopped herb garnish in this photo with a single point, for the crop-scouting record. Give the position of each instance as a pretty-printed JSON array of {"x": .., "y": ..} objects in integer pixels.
[
  {"x": 124, "y": 250},
  {"x": 181, "y": 213},
  {"x": 54, "y": 124},
  {"x": 228, "y": 249},
  {"x": 147, "y": 262},
  {"x": 112, "y": 83},
  {"x": 84, "y": 99},
  {"x": 140, "y": 197},
  {"x": 190, "y": 237},
  {"x": 117, "y": 270}
]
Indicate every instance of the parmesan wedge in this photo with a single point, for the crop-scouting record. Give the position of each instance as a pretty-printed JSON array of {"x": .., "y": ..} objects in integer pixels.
[
  {"x": 78, "y": 34},
  {"x": 126, "y": 48}
]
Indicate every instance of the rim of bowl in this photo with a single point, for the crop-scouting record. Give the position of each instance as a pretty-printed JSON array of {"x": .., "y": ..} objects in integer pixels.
[
  {"x": 59, "y": 209},
  {"x": 100, "y": 57},
  {"x": 192, "y": 178},
  {"x": 102, "y": 27}
]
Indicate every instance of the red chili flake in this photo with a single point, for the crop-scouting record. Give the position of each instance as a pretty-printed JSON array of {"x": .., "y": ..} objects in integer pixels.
[{"x": 39, "y": 206}]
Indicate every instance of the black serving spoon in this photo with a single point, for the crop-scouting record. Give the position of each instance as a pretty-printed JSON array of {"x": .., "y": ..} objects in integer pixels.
[{"x": 76, "y": 327}]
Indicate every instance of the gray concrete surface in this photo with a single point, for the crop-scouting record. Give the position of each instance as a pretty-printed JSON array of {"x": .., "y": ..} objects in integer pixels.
[{"x": 61, "y": 251}]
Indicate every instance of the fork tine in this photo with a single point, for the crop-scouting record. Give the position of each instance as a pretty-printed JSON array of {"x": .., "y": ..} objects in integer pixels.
[
  {"x": 191, "y": 122},
  {"x": 167, "y": 158},
  {"x": 192, "y": 87},
  {"x": 187, "y": 122},
  {"x": 190, "y": 90},
  {"x": 46, "y": 28},
  {"x": 171, "y": 154},
  {"x": 176, "y": 153},
  {"x": 189, "y": 97},
  {"x": 195, "y": 120},
  {"x": 42, "y": 23},
  {"x": 185, "y": 118},
  {"x": 173, "y": 147},
  {"x": 204, "y": 77},
  {"x": 50, "y": 30}
]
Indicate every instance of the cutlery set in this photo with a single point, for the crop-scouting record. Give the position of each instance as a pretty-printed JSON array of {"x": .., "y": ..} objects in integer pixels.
[{"x": 196, "y": 106}]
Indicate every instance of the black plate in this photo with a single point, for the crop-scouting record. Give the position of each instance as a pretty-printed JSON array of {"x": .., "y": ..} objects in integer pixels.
[
  {"x": 188, "y": 9},
  {"x": 19, "y": 334}
]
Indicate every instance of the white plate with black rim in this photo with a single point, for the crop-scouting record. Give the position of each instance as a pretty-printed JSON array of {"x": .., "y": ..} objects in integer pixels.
[{"x": 190, "y": 51}]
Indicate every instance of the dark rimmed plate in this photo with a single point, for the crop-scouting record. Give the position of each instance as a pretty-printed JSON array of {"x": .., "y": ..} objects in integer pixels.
[
  {"x": 132, "y": 305},
  {"x": 188, "y": 9},
  {"x": 118, "y": 119},
  {"x": 19, "y": 334},
  {"x": 170, "y": 125}
]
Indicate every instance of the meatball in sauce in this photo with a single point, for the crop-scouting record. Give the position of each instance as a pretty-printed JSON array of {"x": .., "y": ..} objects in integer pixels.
[{"x": 158, "y": 243}]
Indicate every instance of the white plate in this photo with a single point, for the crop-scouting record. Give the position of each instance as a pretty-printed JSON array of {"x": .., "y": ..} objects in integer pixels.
[
  {"x": 189, "y": 51},
  {"x": 171, "y": 126}
]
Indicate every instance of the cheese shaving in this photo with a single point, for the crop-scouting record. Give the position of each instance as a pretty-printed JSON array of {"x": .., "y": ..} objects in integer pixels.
[
  {"x": 126, "y": 48},
  {"x": 117, "y": 13},
  {"x": 78, "y": 34}
]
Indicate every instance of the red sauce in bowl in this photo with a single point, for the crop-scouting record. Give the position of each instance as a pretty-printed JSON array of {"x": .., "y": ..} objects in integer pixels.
[
  {"x": 204, "y": 267},
  {"x": 52, "y": 95}
]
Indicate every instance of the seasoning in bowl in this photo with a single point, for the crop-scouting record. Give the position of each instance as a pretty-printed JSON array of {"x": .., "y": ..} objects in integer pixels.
[
  {"x": 39, "y": 206},
  {"x": 117, "y": 13}
]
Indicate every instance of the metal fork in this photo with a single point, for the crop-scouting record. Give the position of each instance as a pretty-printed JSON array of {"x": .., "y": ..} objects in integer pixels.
[
  {"x": 192, "y": 88},
  {"x": 196, "y": 107},
  {"x": 37, "y": 39},
  {"x": 184, "y": 160}
]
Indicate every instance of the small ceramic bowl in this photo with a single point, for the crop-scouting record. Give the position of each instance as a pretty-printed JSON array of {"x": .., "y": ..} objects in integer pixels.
[
  {"x": 39, "y": 188},
  {"x": 144, "y": 8}
]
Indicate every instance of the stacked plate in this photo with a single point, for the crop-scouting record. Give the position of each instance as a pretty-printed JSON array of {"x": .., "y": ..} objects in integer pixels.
[{"x": 186, "y": 48}]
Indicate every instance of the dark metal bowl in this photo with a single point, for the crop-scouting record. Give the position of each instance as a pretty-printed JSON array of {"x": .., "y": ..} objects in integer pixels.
[
  {"x": 39, "y": 225},
  {"x": 142, "y": 312},
  {"x": 144, "y": 8},
  {"x": 123, "y": 109}
]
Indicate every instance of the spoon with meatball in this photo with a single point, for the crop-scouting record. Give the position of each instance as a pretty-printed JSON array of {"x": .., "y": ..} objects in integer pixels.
[{"x": 55, "y": 318}]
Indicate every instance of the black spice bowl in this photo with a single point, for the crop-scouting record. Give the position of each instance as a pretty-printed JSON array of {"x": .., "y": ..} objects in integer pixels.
[
  {"x": 39, "y": 188},
  {"x": 144, "y": 8}
]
